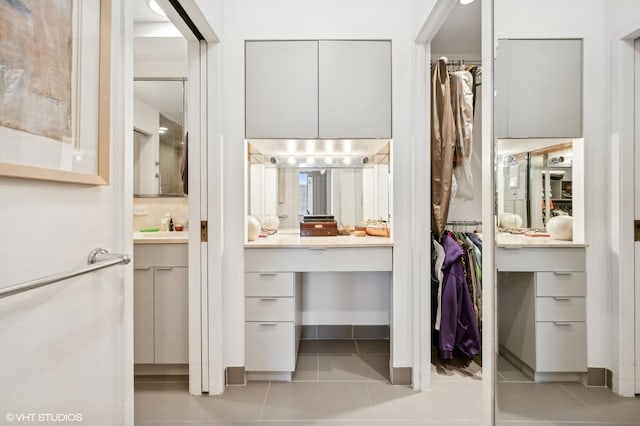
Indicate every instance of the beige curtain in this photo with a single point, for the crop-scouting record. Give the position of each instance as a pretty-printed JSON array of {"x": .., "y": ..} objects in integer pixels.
[{"x": 442, "y": 145}]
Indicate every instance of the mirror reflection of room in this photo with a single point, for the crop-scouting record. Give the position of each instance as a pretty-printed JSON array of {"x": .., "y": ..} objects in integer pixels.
[
  {"x": 535, "y": 183},
  {"x": 353, "y": 188}
]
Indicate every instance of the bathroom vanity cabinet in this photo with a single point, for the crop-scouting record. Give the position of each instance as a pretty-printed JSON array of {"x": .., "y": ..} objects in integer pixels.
[
  {"x": 274, "y": 273},
  {"x": 161, "y": 304},
  {"x": 542, "y": 308}
]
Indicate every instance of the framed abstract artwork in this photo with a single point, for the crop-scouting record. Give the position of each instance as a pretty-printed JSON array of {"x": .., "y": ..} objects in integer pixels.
[{"x": 55, "y": 60}]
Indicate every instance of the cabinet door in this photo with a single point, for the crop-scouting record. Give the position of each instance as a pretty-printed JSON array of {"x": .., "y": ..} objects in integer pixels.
[
  {"x": 355, "y": 89},
  {"x": 171, "y": 315},
  {"x": 281, "y": 89},
  {"x": 143, "y": 316},
  {"x": 539, "y": 88}
]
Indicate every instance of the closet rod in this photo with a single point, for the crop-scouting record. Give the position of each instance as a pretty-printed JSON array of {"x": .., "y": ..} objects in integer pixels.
[
  {"x": 464, "y": 222},
  {"x": 459, "y": 62}
]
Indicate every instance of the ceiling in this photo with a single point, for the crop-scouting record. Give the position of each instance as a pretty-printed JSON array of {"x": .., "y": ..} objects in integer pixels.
[
  {"x": 142, "y": 13},
  {"x": 460, "y": 34},
  {"x": 165, "y": 95}
]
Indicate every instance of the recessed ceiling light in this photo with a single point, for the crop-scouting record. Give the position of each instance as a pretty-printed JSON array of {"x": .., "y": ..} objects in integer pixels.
[
  {"x": 291, "y": 160},
  {"x": 154, "y": 6},
  {"x": 328, "y": 160},
  {"x": 347, "y": 160},
  {"x": 311, "y": 160},
  {"x": 466, "y": 1}
]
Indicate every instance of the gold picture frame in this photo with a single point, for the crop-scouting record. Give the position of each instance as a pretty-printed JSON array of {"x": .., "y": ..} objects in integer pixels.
[{"x": 80, "y": 152}]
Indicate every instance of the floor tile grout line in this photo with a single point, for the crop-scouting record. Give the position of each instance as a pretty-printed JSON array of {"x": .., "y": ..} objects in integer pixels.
[
  {"x": 264, "y": 401},
  {"x": 582, "y": 402},
  {"x": 366, "y": 385}
]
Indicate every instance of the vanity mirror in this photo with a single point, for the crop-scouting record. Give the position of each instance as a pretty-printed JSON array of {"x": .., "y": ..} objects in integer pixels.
[
  {"x": 159, "y": 136},
  {"x": 536, "y": 179},
  {"x": 347, "y": 179}
]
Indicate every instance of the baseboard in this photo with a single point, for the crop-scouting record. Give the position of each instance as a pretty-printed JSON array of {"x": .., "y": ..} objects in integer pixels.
[
  {"x": 401, "y": 376},
  {"x": 235, "y": 376},
  {"x": 345, "y": 331},
  {"x": 270, "y": 376},
  {"x": 161, "y": 369}
]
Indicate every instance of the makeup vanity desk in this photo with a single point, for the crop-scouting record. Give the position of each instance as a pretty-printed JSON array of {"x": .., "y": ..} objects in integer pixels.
[
  {"x": 273, "y": 288},
  {"x": 542, "y": 306}
]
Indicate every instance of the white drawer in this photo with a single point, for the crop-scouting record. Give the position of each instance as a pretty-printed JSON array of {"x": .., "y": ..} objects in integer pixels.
[
  {"x": 561, "y": 284},
  {"x": 269, "y": 309},
  {"x": 268, "y": 284},
  {"x": 150, "y": 255},
  {"x": 318, "y": 259},
  {"x": 560, "y": 308},
  {"x": 561, "y": 347},
  {"x": 531, "y": 259},
  {"x": 270, "y": 346}
]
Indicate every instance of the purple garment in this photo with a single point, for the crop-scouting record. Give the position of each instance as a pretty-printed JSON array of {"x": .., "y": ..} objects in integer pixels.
[{"x": 458, "y": 324}]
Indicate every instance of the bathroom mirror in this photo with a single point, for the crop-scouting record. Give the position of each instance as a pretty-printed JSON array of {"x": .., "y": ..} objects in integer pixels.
[
  {"x": 534, "y": 181},
  {"x": 159, "y": 136},
  {"x": 352, "y": 187}
]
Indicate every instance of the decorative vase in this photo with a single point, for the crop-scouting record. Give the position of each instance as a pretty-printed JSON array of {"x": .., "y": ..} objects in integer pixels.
[
  {"x": 253, "y": 228},
  {"x": 560, "y": 228}
]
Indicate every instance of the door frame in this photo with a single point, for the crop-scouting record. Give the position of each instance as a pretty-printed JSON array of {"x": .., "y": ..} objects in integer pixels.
[
  {"x": 422, "y": 222},
  {"x": 625, "y": 277},
  {"x": 205, "y": 311}
]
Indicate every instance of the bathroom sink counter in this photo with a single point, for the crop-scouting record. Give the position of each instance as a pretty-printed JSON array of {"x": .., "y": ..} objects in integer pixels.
[
  {"x": 160, "y": 237},
  {"x": 506, "y": 240},
  {"x": 296, "y": 241}
]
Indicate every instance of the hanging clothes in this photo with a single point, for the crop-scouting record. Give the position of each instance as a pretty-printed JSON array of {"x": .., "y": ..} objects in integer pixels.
[
  {"x": 458, "y": 325},
  {"x": 184, "y": 165},
  {"x": 442, "y": 145},
  {"x": 462, "y": 106}
]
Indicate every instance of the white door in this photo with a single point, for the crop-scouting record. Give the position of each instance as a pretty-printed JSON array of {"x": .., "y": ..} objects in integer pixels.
[
  {"x": 67, "y": 348},
  {"x": 637, "y": 209}
]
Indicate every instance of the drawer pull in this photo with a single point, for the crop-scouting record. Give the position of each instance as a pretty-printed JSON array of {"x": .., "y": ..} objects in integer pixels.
[
  {"x": 561, "y": 273},
  {"x": 268, "y": 299},
  {"x": 170, "y": 268},
  {"x": 268, "y": 274},
  {"x": 561, "y": 323},
  {"x": 562, "y": 298},
  {"x": 143, "y": 269},
  {"x": 268, "y": 323},
  {"x": 317, "y": 248}
]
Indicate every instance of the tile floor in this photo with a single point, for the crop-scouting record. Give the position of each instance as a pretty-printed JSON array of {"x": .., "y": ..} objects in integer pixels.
[{"x": 345, "y": 383}]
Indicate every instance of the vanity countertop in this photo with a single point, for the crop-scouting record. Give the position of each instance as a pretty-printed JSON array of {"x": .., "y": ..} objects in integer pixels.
[
  {"x": 296, "y": 241},
  {"x": 160, "y": 237},
  {"x": 507, "y": 240}
]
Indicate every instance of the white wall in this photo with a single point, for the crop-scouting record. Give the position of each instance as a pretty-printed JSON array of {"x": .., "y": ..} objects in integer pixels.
[
  {"x": 580, "y": 19},
  {"x": 68, "y": 348},
  {"x": 307, "y": 19}
]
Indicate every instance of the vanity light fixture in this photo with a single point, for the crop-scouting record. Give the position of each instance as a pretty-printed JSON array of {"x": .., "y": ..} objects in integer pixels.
[
  {"x": 347, "y": 160},
  {"x": 154, "y": 6},
  {"x": 292, "y": 160}
]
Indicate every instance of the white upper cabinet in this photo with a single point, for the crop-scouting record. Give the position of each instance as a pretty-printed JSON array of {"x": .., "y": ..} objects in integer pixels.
[
  {"x": 355, "y": 89},
  {"x": 281, "y": 89},
  {"x": 318, "y": 89},
  {"x": 538, "y": 88}
]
